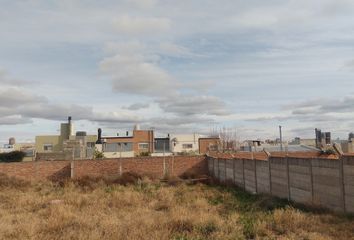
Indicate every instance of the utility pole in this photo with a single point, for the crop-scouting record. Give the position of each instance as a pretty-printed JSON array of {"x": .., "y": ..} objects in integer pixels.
[{"x": 281, "y": 139}]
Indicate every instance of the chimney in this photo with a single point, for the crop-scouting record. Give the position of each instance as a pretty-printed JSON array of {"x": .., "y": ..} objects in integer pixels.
[
  {"x": 99, "y": 136},
  {"x": 69, "y": 119}
]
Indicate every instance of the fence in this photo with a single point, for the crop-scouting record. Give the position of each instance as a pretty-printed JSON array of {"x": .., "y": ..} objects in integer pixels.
[
  {"x": 315, "y": 181},
  {"x": 152, "y": 166}
]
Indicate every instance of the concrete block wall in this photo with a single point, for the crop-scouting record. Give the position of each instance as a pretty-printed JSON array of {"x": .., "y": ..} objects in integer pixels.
[
  {"x": 318, "y": 181},
  {"x": 229, "y": 170},
  {"x": 348, "y": 182},
  {"x": 300, "y": 180},
  {"x": 152, "y": 166},
  {"x": 263, "y": 177},
  {"x": 279, "y": 177},
  {"x": 222, "y": 170},
  {"x": 327, "y": 183},
  {"x": 239, "y": 173},
  {"x": 250, "y": 175}
]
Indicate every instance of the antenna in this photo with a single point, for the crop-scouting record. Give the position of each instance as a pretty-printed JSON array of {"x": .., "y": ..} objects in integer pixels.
[{"x": 281, "y": 138}]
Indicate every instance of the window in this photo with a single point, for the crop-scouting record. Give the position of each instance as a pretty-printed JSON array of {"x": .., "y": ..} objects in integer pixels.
[
  {"x": 187, "y": 146},
  {"x": 90, "y": 145},
  {"x": 213, "y": 147},
  {"x": 111, "y": 147},
  {"x": 143, "y": 146},
  {"x": 48, "y": 147},
  {"x": 118, "y": 147}
]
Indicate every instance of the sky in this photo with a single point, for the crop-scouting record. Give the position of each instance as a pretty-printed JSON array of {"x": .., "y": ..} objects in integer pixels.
[{"x": 177, "y": 66}]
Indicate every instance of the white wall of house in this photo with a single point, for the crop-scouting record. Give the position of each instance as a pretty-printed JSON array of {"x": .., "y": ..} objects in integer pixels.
[
  {"x": 114, "y": 154},
  {"x": 7, "y": 148},
  {"x": 161, "y": 154},
  {"x": 118, "y": 154},
  {"x": 184, "y": 142}
]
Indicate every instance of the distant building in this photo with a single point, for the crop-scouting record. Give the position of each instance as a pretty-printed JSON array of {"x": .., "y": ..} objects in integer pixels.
[
  {"x": 274, "y": 146},
  {"x": 209, "y": 144},
  {"x": 323, "y": 139},
  {"x": 184, "y": 143},
  {"x": 303, "y": 141},
  {"x": 347, "y": 145},
  {"x": 27, "y": 148},
  {"x": 67, "y": 145},
  {"x": 129, "y": 144}
]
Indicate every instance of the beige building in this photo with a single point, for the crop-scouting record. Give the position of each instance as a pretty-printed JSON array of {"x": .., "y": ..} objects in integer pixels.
[{"x": 66, "y": 145}]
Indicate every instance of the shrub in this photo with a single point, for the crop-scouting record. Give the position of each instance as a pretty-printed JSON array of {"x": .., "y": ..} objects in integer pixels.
[
  {"x": 329, "y": 151},
  {"x": 145, "y": 154},
  {"x": 15, "y": 156},
  {"x": 98, "y": 155}
]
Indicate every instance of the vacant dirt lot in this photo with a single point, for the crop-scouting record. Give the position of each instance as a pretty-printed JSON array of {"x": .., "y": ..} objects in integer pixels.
[{"x": 143, "y": 209}]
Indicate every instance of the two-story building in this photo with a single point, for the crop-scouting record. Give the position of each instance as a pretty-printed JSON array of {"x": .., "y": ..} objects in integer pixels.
[{"x": 129, "y": 144}]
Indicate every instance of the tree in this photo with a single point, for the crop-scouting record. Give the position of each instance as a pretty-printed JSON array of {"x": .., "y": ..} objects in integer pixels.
[{"x": 14, "y": 156}]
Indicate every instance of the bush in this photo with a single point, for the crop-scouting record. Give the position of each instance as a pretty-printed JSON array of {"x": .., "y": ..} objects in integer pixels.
[
  {"x": 329, "y": 151},
  {"x": 145, "y": 154},
  {"x": 98, "y": 155},
  {"x": 15, "y": 156}
]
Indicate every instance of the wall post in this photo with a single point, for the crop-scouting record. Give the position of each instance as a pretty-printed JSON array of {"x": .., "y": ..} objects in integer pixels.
[
  {"x": 233, "y": 171},
  {"x": 288, "y": 176},
  {"x": 243, "y": 174},
  {"x": 36, "y": 170},
  {"x": 120, "y": 167},
  {"x": 219, "y": 170},
  {"x": 270, "y": 175},
  {"x": 312, "y": 188},
  {"x": 225, "y": 162},
  {"x": 173, "y": 161},
  {"x": 255, "y": 174},
  {"x": 341, "y": 183},
  {"x": 72, "y": 169}
]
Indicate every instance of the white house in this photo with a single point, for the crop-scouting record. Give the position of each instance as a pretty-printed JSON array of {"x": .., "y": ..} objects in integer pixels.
[{"x": 184, "y": 143}]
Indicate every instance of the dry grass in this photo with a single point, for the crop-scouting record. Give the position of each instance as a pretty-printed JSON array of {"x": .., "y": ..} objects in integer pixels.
[{"x": 142, "y": 209}]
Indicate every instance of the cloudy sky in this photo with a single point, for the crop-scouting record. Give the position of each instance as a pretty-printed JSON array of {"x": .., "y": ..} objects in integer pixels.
[{"x": 177, "y": 66}]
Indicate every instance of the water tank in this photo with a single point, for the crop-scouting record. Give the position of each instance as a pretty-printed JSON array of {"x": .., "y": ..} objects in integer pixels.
[
  {"x": 12, "y": 141},
  {"x": 81, "y": 134},
  {"x": 351, "y": 136}
]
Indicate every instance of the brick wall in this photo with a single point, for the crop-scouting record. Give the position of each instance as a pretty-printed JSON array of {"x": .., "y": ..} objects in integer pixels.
[
  {"x": 208, "y": 144},
  {"x": 153, "y": 166},
  {"x": 173, "y": 165},
  {"x": 319, "y": 181}
]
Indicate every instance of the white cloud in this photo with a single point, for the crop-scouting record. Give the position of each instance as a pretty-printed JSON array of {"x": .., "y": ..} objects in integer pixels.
[
  {"x": 133, "y": 74},
  {"x": 141, "y": 25},
  {"x": 143, "y": 3},
  {"x": 193, "y": 105},
  {"x": 174, "y": 50},
  {"x": 12, "y": 97},
  {"x": 14, "y": 120},
  {"x": 137, "y": 106}
]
